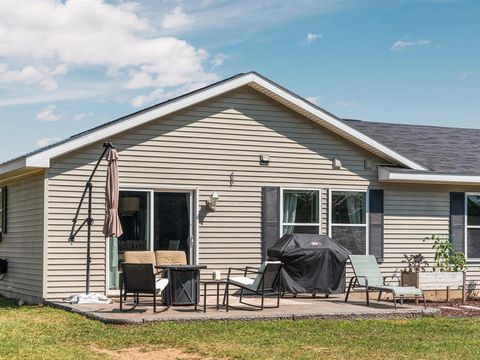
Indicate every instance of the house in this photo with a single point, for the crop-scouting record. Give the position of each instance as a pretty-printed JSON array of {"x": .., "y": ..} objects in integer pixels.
[{"x": 278, "y": 164}]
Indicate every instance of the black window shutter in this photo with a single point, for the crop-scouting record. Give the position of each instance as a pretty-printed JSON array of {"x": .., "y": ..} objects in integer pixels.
[
  {"x": 376, "y": 224},
  {"x": 457, "y": 220},
  {"x": 270, "y": 218},
  {"x": 3, "y": 205}
]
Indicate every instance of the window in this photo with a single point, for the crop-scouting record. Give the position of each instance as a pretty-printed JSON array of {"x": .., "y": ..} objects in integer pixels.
[
  {"x": 3, "y": 211},
  {"x": 348, "y": 219},
  {"x": 301, "y": 211},
  {"x": 473, "y": 226}
]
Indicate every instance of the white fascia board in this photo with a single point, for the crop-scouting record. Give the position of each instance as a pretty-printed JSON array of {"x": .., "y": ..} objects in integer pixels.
[
  {"x": 42, "y": 159},
  {"x": 338, "y": 124},
  {"x": 13, "y": 165},
  {"x": 386, "y": 175}
]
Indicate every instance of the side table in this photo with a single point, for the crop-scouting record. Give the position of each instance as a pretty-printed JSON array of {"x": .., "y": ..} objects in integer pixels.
[{"x": 217, "y": 282}]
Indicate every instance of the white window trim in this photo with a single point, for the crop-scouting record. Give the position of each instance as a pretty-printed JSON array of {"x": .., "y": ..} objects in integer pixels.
[
  {"x": 465, "y": 237},
  {"x": 319, "y": 224},
  {"x": 367, "y": 215}
]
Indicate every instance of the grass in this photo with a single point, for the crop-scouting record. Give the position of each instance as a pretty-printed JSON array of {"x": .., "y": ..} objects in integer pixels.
[{"x": 36, "y": 332}]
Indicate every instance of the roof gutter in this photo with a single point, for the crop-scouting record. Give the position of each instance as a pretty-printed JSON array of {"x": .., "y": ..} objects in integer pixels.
[{"x": 388, "y": 175}]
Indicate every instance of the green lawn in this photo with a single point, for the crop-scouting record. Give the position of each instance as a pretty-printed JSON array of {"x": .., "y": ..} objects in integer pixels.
[{"x": 42, "y": 332}]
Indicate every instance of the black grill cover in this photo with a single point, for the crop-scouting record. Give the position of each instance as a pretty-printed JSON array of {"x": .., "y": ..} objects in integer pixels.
[{"x": 312, "y": 263}]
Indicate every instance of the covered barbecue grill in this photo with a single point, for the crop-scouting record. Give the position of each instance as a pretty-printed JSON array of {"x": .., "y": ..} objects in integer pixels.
[{"x": 312, "y": 263}]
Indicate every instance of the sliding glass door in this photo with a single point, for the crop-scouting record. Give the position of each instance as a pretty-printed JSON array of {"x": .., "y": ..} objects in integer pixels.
[
  {"x": 172, "y": 222},
  {"x": 152, "y": 220},
  {"x": 134, "y": 213}
]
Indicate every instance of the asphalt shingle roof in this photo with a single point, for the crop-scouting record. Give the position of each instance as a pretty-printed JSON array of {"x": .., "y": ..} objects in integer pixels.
[{"x": 444, "y": 150}]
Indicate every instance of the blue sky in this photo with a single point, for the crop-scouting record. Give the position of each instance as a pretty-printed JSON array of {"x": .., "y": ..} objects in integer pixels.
[{"x": 92, "y": 61}]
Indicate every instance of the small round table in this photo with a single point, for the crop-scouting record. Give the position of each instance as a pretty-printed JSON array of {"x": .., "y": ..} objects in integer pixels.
[{"x": 217, "y": 282}]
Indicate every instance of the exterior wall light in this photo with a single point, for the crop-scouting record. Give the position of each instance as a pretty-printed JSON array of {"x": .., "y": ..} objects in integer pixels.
[
  {"x": 336, "y": 164},
  {"x": 211, "y": 202},
  {"x": 264, "y": 159},
  {"x": 368, "y": 164}
]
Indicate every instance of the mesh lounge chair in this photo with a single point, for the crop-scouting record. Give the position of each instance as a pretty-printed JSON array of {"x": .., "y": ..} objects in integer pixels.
[
  {"x": 267, "y": 282},
  {"x": 140, "y": 279},
  {"x": 368, "y": 276}
]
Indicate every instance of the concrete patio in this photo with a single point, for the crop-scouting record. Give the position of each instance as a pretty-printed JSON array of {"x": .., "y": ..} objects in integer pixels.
[{"x": 304, "y": 307}]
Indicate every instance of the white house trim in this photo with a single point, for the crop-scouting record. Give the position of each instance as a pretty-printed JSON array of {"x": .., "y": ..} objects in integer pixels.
[
  {"x": 388, "y": 175},
  {"x": 42, "y": 158},
  {"x": 319, "y": 223},
  {"x": 367, "y": 214},
  {"x": 467, "y": 227}
]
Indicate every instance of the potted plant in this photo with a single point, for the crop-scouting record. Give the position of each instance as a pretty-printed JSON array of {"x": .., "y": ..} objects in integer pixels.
[
  {"x": 448, "y": 269},
  {"x": 415, "y": 264}
]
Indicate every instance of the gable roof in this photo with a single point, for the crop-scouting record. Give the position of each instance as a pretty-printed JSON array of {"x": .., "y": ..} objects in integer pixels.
[
  {"x": 443, "y": 150},
  {"x": 442, "y": 155},
  {"x": 41, "y": 158}
]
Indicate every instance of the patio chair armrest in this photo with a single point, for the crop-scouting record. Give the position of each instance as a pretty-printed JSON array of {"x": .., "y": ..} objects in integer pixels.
[
  {"x": 233, "y": 268},
  {"x": 245, "y": 270},
  {"x": 392, "y": 277},
  {"x": 237, "y": 269},
  {"x": 358, "y": 277},
  {"x": 162, "y": 271},
  {"x": 251, "y": 270}
]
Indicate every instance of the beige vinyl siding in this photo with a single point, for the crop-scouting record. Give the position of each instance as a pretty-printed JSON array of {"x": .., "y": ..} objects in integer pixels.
[
  {"x": 200, "y": 147},
  {"x": 413, "y": 212},
  {"x": 22, "y": 246}
]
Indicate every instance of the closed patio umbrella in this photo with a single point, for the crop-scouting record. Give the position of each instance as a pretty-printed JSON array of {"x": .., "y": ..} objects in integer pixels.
[{"x": 112, "y": 226}]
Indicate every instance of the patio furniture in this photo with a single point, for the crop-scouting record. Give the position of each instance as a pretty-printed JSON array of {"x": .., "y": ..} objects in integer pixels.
[
  {"x": 215, "y": 282},
  {"x": 140, "y": 279},
  {"x": 170, "y": 257},
  {"x": 184, "y": 286},
  {"x": 368, "y": 276},
  {"x": 267, "y": 282},
  {"x": 139, "y": 257}
]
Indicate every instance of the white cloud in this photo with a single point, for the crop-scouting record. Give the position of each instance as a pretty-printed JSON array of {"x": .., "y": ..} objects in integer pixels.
[
  {"x": 159, "y": 95},
  {"x": 401, "y": 45},
  {"x": 80, "y": 116},
  {"x": 85, "y": 92},
  {"x": 467, "y": 75},
  {"x": 141, "y": 100},
  {"x": 47, "y": 141},
  {"x": 87, "y": 33},
  {"x": 176, "y": 19},
  {"x": 47, "y": 114},
  {"x": 219, "y": 59},
  {"x": 346, "y": 103},
  {"x": 251, "y": 15},
  {"x": 314, "y": 99},
  {"x": 42, "y": 76},
  {"x": 311, "y": 37}
]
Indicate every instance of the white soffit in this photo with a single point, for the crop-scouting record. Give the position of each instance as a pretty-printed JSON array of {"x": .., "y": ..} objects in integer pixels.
[{"x": 42, "y": 159}]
